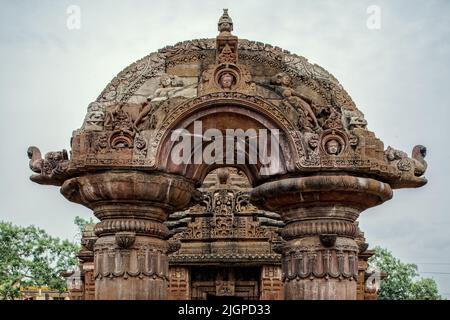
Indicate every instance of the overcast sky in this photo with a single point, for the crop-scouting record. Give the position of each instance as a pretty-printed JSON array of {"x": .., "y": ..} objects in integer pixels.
[{"x": 398, "y": 76}]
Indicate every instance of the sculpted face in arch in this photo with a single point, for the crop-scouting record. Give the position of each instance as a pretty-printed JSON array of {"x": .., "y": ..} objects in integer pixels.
[
  {"x": 165, "y": 81},
  {"x": 333, "y": 147},
  {"x": 226, "y": 81},
  {"x": 286, "y": 80}
]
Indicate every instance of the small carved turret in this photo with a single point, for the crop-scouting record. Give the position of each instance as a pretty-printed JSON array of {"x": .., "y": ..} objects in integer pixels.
[
  {"x": 225, "y": 23},
  {"x": 226, "y": 43}
]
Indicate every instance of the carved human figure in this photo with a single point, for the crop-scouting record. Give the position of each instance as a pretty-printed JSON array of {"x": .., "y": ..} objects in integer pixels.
[
  {"x": 284, "y": 81},
  {"x": 117, "y": 119},
  {"x": 226, "y": 81},
  {"x": 146, "y": 115},
  {"x": 223, "y": 202},
  {"x": 168, "y": 86},
  {"x": 102, "y": 143},
  {"x": 353, "y": 119},
  {"x": 394, "y": 154},
  {"x": 333, "y": 147},
  {"x": 313, "y": 141}
]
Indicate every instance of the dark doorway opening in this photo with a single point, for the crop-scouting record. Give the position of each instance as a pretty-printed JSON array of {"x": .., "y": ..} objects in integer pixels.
[{"x": 225, "y": 283}]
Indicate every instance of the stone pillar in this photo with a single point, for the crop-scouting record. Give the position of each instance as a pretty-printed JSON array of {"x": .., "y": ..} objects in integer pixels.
[
  {"x": 271, "y": 284},
  {"x": 130, "y": 255},
  {"x": 179, "y": 283},
  {"x": 320, "y": 254},
  {"x": 86, "y": 258}
]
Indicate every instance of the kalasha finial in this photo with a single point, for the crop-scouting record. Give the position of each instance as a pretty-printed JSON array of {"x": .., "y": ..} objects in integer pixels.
[{"x": 225, "y": 22}]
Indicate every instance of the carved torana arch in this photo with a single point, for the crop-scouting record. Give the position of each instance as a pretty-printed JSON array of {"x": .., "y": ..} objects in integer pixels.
[{"x": 331, "y": 166}]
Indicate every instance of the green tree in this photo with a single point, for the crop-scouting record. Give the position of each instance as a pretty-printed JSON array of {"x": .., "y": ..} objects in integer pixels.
[
  {"x": 31, "y": 257},
  {"x": 401, "y": 281},
  {"x": 81, "y": 224},
  {"x": 425, "y": 289}
]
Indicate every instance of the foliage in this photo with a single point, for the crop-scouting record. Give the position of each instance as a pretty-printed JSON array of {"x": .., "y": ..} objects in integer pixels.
[
  {"x": 81, "y": 224},
  {"x": 400, "y": 282},
  {"x": 425, "y": 289},
  {"x": 31, "y": 257}
]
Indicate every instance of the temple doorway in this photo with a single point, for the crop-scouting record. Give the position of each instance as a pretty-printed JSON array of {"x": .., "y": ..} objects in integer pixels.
[{"x": 229, "y": 283}]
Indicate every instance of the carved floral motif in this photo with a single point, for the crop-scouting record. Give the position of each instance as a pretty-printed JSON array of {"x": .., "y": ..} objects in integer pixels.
[{"x": 301, "y": 264}]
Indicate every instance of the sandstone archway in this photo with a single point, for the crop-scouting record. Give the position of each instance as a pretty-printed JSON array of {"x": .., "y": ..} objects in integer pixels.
[
  {"x": 247, "y": 126},
  {"x": 330, "y": 169}
]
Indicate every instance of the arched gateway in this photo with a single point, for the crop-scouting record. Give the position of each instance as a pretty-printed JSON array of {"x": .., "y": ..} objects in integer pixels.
[{"x": 302, "y": 166}]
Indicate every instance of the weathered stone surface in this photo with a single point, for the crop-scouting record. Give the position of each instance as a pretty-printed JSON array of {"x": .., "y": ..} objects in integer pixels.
[
  {"x": 130, "y": 254},
  {"x": 330, "y": 169},
  {"x": 320, "y": 235}
]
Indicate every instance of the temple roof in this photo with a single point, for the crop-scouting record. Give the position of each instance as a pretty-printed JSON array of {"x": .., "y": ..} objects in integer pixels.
[{"x": 324, "y": 131}]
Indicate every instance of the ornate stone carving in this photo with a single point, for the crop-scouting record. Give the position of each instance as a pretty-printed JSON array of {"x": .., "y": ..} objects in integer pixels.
[
  {"x": 226, "y": 74},
  {"x": 140, "y": 145},
  {"x": 305, "y": 264},
  {"x": 415, "y": 166},
  {"x": 121, "y": 169},
  {"x": 173, "y": 246},
  {"x": 225, "y": 23},
  {"x": 102, "y": 143},
  {"x": 125, "y": 239},
  {"x": 122, "y": 87},
  {"x": 227, "y": 228},
  {"x": 271, "y": 283},
  {"x": 178, "y": 283},
  {"x": 226, "y": 77},
  {"x": 88, "y": 239},
  {"x": 328, "y": 240},
  {"x": 95, "y": 117},
  {"x": 172, "y": 86},
  {"x": 320, "y": 235},
  {"x": 307, "y": 119},
  {"x": 352, "y": 119},
  {"x": 418, "y": 155},
  {"x": 224, "y": 288},
  {"x": 314, "y": 227},
  {"x": 223, "y": 205},
  {"x": 52, "y": 169},
  {"x": 116, "y": 263}
]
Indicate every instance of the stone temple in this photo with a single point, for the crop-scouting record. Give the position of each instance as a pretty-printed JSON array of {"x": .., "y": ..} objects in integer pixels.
[{"x": 208, "y": 230}]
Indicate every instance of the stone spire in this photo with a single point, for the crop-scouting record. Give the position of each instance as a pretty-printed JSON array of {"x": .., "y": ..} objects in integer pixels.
[
  {"x": 225, "y": 22},
  {"x": 226, "y": 43}
]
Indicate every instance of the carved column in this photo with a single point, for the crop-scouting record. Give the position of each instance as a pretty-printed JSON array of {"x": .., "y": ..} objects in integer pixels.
[
  {"x": 86, "y": 258},
  {"x": 130, "y": 255},
  {"x": 271, "y": 284},
  {"x": 179, "y": 283},
  {"x": 320, "y": 255}
]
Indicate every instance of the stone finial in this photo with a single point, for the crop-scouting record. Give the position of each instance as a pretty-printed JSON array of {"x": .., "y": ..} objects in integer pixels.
[{"x": 225, "y": 23}]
